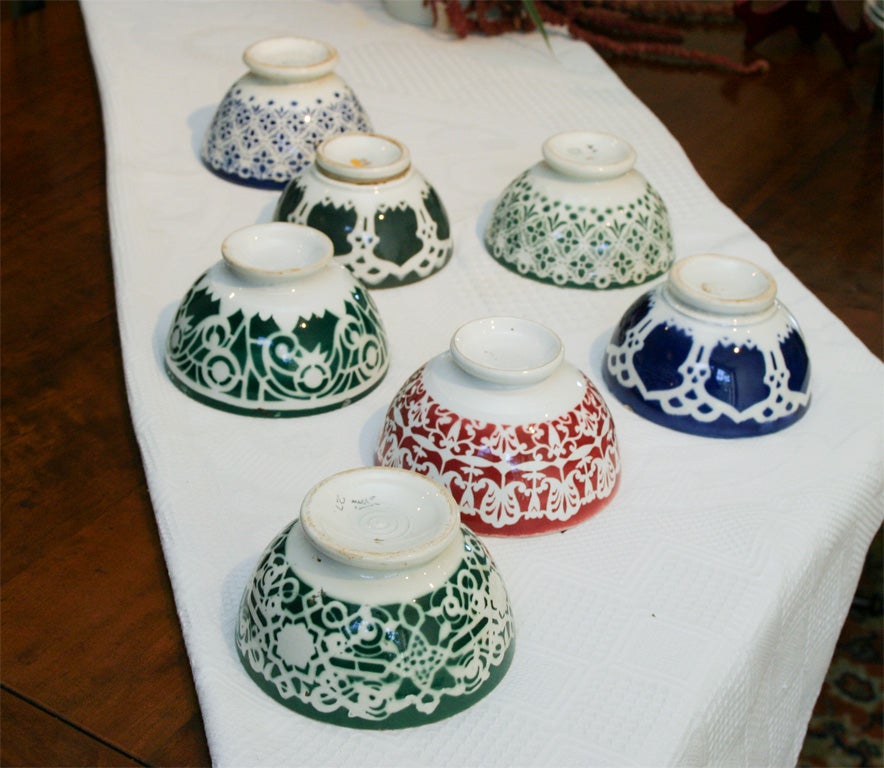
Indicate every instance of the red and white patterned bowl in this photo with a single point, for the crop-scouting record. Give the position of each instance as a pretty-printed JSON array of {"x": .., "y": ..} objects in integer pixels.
[{"x": 522, "y": 439}]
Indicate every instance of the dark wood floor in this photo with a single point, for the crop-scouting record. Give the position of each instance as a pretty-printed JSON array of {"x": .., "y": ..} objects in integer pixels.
[{"x": 94, "y": 670}]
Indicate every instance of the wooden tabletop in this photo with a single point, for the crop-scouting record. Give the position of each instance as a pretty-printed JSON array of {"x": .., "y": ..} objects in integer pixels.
[{"x": 94, "y": 668}]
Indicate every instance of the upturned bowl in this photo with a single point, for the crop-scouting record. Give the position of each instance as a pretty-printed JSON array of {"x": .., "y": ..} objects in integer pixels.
[
  {"x": 270, "y": 121},
  {"x": 376, "y": 608},
  {"x": 582, "y": 217},
  {"x": 522, "y": 439},
  {"x": 387, "y": 223},
  {"x": 711, "y": 351},
  {"x": 275, "y": 328}
]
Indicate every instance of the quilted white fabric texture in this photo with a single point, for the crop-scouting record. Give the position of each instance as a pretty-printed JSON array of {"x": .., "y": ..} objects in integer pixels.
[{"x": 692, "y": 621}]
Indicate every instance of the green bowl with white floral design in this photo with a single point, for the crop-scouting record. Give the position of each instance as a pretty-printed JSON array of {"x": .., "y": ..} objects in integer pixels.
[
  {"x": 583, "y": 217},
  {"x": 276, "y": 328},
  {"x": 376, "y": 608}
]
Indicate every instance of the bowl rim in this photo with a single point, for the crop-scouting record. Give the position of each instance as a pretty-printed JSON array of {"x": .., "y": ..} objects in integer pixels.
[
  {"x": 571, "y": 153},
  {"x": 473, "y": 349},
  {"x": 308, "y": 250},
  {"x": 266, "y": 58},
  {"x": 380, "y": 518},
  {"x": 360, "y": 171},
  {"x": 722, "y": 285}
]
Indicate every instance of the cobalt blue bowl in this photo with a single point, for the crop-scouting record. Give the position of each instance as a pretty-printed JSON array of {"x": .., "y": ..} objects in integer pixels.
[{"x": 711, "y": 352}]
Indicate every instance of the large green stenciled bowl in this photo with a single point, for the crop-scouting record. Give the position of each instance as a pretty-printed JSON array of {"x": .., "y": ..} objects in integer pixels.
[{"x": 377, "y": 608}]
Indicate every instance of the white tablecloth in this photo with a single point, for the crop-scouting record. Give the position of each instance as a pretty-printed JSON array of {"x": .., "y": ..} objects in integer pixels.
[{"x": 689, "y": 623}]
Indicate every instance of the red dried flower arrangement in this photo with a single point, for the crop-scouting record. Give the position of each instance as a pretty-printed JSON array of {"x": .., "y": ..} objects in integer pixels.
[{"x": 639, "y": 29}]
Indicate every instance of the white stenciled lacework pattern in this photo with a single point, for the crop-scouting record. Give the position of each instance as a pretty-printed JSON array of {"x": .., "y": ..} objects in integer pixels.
[
  {"x": 270, "y": 142},
  {"x": 689, "y": 397},
  {"x": 546, "y": 470},
  {"x": 579, "y": 246},
  {"x": 373, "y": 661},
  {"x": 250, "y": 360},
  {"x": 422, "y": 247}
]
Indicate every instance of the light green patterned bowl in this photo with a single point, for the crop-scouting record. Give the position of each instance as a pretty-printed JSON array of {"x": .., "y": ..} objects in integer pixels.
[
  {"x": 583, "y": 217},
  {"x": 276, "y": 328},
  {"x": 377, "y": 608}
]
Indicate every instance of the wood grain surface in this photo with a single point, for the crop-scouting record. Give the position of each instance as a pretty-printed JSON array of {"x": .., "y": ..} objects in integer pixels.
[{"x": 94, "y": 669}]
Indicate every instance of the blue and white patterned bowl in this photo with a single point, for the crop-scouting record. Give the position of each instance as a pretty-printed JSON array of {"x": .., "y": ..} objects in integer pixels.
[
  {"x": 269, "y": 123},
  {"x": 376, "y": 608},
  {"x": 711, "y": 352},
  {"x": 276, "y": 328}
]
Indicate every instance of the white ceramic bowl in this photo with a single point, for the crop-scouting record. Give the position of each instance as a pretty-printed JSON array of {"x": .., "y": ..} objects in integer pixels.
[
  {"x": 269, "y": 123},
  {"x": 521, "y": 438},
  {"x": 377, "y": 608},
  {"x": 387, "y": 222},
  {"x": 276, "y": 328},
  {"x": 583, "y": 217},
  {"x": 712, "y": 352}
]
